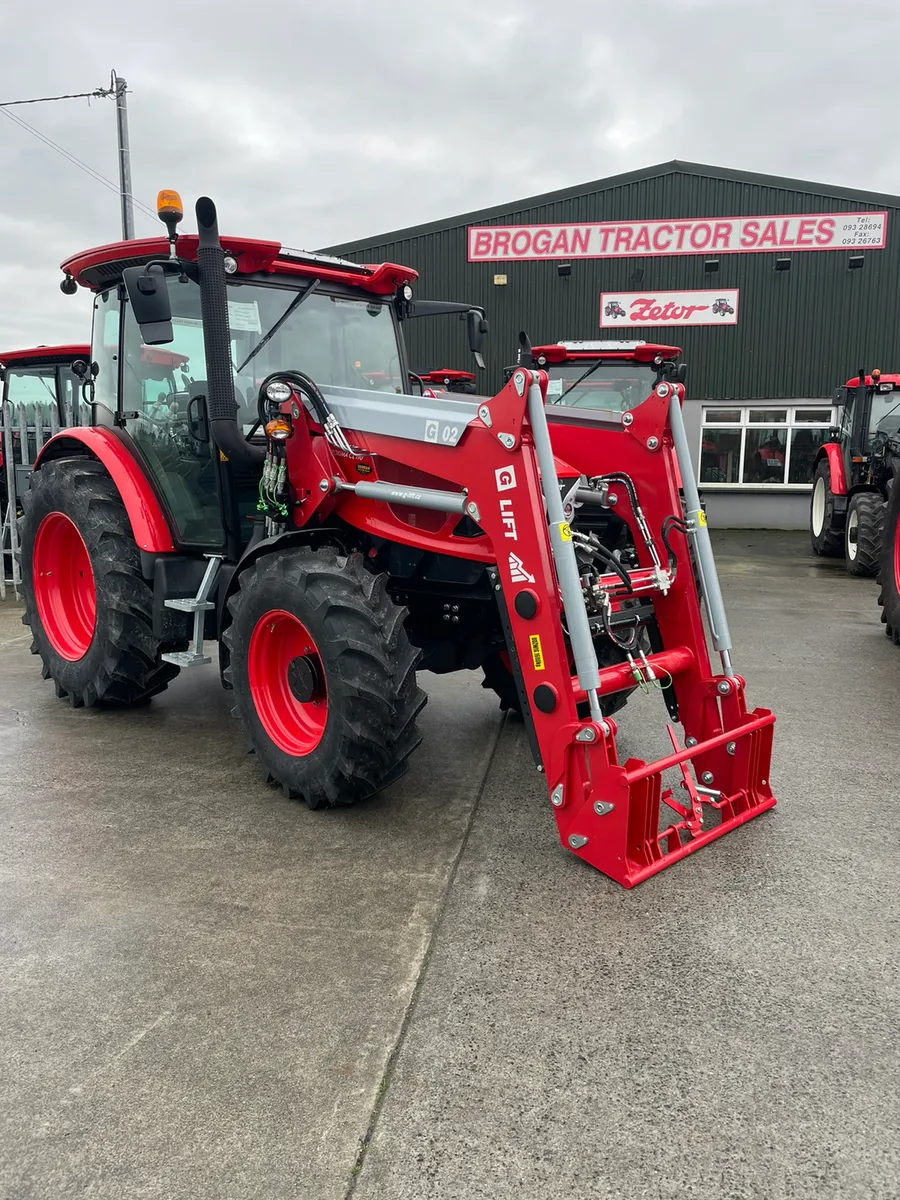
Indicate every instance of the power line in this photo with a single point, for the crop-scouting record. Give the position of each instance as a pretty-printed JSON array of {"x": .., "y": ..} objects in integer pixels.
[
  {"x": 99, "y": 94},
  {"x": 83, "y": 166}
]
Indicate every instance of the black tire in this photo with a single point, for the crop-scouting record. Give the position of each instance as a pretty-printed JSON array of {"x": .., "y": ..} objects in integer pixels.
[
  {"x": 498, "y": 678},
  {"x": 889, "y": 596},
  {"x": 862, "y": 536},
  {"x": 363, "y": 671},
  {"x": 826, "y": 537},
  {"x": 121, "y": 665}
]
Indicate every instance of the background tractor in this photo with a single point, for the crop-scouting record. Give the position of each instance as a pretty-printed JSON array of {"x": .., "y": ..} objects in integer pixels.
[
  {"x": 461, "y": 382},
  {"x": 336, "y": 537},
  {"x": 853, "y": 472}
]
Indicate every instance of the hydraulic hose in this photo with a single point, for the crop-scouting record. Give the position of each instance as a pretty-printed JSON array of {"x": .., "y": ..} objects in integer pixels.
[{"x": 220, "y": 402}]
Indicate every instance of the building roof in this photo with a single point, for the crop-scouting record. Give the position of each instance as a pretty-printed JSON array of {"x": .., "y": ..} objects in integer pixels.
[{"x": 675, "y": 167}]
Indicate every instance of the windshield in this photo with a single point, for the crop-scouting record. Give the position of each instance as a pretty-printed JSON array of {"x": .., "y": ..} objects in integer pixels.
[
  {"x": 612, "y": 385},
  {"x": 338, "y": 341},
  {"x": 885, "y": 404}
]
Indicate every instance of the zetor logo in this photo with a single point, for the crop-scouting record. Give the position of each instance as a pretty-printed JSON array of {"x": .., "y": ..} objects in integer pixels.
[
  {"x": 669, "y": 308},
  {"x": 506, "y": 478}
]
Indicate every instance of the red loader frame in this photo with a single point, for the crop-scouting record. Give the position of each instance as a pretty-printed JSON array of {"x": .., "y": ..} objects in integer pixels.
[{"x": 607, "y": 812}]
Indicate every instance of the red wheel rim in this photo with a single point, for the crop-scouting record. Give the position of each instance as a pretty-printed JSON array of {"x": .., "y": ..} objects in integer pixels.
[
  {"x": 897, "y": 556},
  {"x": 287, "y": 683},
  {"x": 64, "y": 590}
]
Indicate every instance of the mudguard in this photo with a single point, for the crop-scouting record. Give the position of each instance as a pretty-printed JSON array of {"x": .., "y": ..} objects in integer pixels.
[
  {"x": 148, "y": 521},
  {"x": 832, "y": 451}
]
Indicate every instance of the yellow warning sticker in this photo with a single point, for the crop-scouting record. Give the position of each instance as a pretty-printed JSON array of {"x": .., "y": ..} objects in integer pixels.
[
  {"x": 537, "y": 653},
  {"x": 564, "y": 531},
  {"x": 701, "y": 517}
]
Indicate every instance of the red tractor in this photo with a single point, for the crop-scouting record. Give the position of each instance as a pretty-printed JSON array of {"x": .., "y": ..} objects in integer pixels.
[
  {"x": 39, "y": 391},
  {"x": 334, "y": 538},
  {"x": 853, "y": 471},
  {"x": 446, "y": 380}
]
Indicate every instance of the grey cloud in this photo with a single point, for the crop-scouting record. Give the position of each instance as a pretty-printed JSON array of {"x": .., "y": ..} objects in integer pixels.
[{"x": 321, "y": 123}]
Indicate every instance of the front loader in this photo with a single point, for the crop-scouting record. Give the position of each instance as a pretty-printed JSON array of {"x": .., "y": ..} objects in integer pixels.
[{"x": 334, "y": 537}]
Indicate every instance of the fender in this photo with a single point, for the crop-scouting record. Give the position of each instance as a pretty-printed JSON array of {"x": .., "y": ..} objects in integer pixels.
[
  {"x": 148, "y": 521},
  {"x": 832, "y": 451}
]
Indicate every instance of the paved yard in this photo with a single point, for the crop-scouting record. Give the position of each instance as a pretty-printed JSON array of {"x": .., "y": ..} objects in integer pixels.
[{"x": 207, "y": 991}]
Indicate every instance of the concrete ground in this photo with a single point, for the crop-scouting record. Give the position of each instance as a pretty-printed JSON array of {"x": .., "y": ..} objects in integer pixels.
[{"x": 208, "y": 992}]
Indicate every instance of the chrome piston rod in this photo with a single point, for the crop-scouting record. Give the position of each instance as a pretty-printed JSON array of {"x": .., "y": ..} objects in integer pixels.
[
  {"x": 564, "y": 558},
  {"x": 698, "y": 532}
]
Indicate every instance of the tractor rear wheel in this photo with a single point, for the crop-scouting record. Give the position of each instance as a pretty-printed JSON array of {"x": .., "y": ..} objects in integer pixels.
[
  {"x": 889, "y": 572},
  {"x": 865, "y": 522},
  {"x": 88, "y": 605},
  {"x": 324, "y": 675},
  {"x": 824, "y": 534}
]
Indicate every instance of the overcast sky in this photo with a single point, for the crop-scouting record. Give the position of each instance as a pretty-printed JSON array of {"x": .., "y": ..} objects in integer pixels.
[{"x": 314, "y": 123}]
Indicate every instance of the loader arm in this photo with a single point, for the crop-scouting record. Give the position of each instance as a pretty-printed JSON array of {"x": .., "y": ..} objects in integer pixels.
[{"x": 607, "y": 812}]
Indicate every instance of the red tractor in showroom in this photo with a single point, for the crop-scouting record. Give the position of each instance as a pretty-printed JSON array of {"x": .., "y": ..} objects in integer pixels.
[{"x": 335, "y": 538}]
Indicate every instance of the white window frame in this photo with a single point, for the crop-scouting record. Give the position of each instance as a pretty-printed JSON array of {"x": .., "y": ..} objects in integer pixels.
[{"x": 790, "y": 409}]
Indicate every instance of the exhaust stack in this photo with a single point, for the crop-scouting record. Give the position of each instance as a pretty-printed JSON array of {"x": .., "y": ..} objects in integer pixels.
[{"x": 221, "y": 404}]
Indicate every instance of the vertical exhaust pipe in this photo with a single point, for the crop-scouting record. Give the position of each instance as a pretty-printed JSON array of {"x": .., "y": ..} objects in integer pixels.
[{"x": 220, "y": 402}]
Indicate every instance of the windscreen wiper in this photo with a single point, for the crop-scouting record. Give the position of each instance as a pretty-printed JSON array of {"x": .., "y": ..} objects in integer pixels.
[
  {"x": 581, "y": 378},
  {"x": 289, "y": 311}
]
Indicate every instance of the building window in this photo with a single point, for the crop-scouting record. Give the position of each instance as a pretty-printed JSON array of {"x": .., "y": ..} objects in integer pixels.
[{"x": 762, "y": 445}]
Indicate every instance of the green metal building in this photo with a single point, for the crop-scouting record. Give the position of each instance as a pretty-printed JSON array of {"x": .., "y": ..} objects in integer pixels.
[{"x": 777, "y": 290}]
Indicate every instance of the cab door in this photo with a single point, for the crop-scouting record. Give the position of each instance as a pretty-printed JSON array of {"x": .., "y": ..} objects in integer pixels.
[{"x": 152, "y": 394}]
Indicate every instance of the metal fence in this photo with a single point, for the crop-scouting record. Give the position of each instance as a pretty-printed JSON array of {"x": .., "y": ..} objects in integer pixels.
[{"x": 24, "y": 428}]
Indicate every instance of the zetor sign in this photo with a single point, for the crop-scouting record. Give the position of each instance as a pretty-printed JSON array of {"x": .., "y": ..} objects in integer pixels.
[
  {"x": 732, "y": 235},
  {"x": 668, "y": 308}
]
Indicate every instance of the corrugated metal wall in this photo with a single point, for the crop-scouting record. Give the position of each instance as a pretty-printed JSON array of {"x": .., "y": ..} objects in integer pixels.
[{"x": 800, "y": 333}]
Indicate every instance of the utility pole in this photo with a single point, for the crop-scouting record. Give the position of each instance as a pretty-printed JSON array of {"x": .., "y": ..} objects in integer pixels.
[{"x": 124, "y": 159}]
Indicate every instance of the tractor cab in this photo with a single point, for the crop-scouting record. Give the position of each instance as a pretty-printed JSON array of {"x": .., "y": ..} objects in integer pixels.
[
  {"x": 149, "y": 378},
  {"x": 611, "y": 375},
  {"x": 41, "y": 380},
  {"x": 870, "y": 411},
  {"x": 39, "y": 393}
]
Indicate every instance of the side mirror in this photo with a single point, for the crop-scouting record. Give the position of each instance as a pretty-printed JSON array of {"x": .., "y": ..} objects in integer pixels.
[
  {"x": 476, "y": 328},
  {"x": 681, "y": 373},
  {"x": 149, "y": 299}
]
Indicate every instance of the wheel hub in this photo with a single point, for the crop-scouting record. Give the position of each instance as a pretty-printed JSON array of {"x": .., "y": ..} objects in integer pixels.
[
  {"x": 288, "y": 682},
  {"x": 303, "y": 679}
]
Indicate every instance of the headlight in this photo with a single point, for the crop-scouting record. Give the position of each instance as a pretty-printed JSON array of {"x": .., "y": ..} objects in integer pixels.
[
  {"x": 279, "y": 392},
  {"x": 230, "y": 264},
  {"x": 406, "y": 292}
]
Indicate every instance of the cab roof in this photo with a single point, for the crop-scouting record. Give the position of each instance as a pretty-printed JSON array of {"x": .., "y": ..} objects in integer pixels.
[
  {"x": 560, "y": 352},
  {"x": 102, "y": 266},
  {"x": 854, "y": 382},
  {"x": 44, "y": 354},
  {"x": 437, "y": 376}
]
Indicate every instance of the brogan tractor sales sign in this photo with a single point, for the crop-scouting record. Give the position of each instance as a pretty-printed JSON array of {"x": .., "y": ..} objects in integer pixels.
[
  {"x": 633, "y": 309},
  {"x": 731, "y": 235}
]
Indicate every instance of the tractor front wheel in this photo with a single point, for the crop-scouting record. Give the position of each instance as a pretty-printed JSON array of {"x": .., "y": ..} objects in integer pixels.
[
  {"x": 88, "y": 605},
  {"x": 825, "y": 536},
  {"x": 889, "y": 569},
  {"x": 865, "y": 522},
  {"x": 323, "y": 674}
]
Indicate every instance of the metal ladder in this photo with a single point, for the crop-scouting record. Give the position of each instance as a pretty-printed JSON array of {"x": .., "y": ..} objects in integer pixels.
[{"x": 199, "y": 605}]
